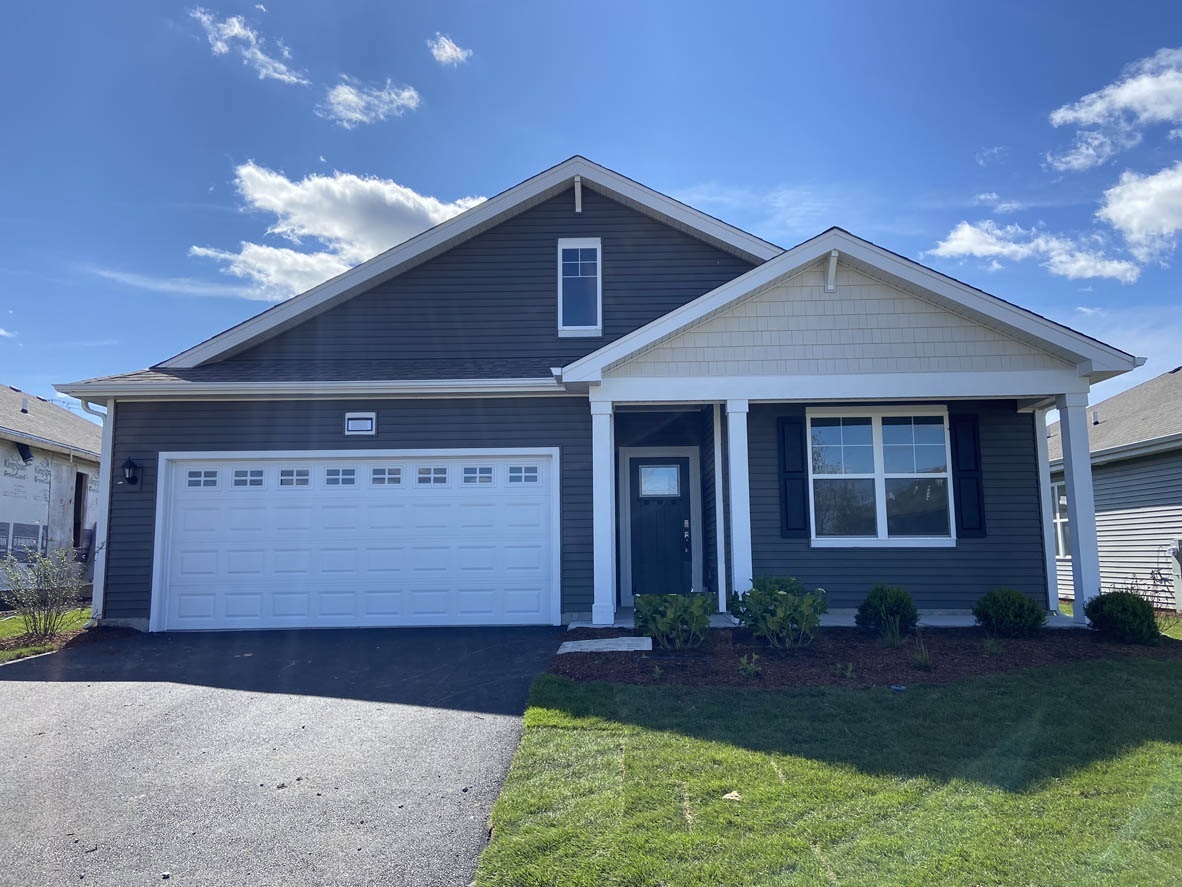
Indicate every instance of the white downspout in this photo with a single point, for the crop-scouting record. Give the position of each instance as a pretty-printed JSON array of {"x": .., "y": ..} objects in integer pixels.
[{"x": 104, "y": 504}]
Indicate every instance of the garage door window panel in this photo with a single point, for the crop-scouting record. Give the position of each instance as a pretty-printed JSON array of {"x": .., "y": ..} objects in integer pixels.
[
  {"x": 247, "y": 477},
  {"x": 340, "y": 477},
  {"x": 202, "y": 479},
  {"x": 386, "y": 477},
  {"x": 433, "y": 475},
  {"x": 295, "y": 477}
]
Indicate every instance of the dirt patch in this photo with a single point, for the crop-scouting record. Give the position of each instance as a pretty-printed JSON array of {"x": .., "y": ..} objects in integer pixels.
[{"x": 844, "y": 657}]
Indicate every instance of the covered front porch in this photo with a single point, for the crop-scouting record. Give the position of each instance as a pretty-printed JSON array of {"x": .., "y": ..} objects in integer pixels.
[{"x": 734, "y": 508}]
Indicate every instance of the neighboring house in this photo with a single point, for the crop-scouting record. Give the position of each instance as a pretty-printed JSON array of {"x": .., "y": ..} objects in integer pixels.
[
  {"x": 1136, "y": 445},
  {"x": 576, "y": 391},
  {"x": 49, "y": 486}
]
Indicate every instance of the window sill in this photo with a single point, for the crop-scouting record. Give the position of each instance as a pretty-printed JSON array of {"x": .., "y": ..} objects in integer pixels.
[
  {"x": 916, "y": 542},
  {"x": 580, "y": 333}
]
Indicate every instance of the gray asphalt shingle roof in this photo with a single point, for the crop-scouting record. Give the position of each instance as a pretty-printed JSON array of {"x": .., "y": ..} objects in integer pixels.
[
  {"x": 1150, "y": 411},
  {"x": 46, "y": 421}
]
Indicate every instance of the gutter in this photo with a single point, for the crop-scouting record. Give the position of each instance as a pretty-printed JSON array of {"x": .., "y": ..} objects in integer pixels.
[
  {"x": 45, "y": 443},
  {"x": 1131, "y": 451}
]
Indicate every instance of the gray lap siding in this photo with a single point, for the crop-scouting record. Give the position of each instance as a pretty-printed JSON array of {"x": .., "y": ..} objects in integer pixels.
[
  {"x": 1011, "y": 553},
  {"x": 143, "y": 430},
  {"x": 496, "y": 295}
]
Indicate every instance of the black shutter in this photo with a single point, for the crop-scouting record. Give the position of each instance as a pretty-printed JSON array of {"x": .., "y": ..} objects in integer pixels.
[
  {"x": 967, "y": 488},
  {"x": 794, "y": 478}
]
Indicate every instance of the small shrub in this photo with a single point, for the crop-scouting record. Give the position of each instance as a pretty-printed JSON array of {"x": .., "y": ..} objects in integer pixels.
[
  {"x": 843, "y": 670},
  {"x": 1123, "y": 616},
  {"x": 43, "y": 590},
  {"x": 780, "y": 611},
  {"x": 887, "y": 603},
  {"x": 993, "y": 647},
  {"x": 1008, "y": 613},
  {"x": 658, "y": 672},
  {"x": 748, "y": 666},
  {"x": 922, "y": 658},
  {"x": 674, "y": 621}
]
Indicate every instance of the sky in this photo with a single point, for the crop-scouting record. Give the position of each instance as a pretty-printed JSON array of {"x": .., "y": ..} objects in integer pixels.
[{"x": 168, "y": 170}]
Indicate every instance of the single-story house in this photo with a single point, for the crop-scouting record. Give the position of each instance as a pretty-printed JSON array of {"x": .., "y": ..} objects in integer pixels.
[
  {"x": 1135, "y": 440},
  {"x": 580, "y": 390},
  {"x": 49, "y": 489}
]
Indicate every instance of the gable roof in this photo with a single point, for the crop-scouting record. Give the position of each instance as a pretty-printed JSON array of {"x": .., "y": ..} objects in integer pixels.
[
  {"x": 1093, "y": 358},
  {"x": 467, "y": 224},
  {"x": 1145, "y": 418},
  {"x": 46, "y": 425}
]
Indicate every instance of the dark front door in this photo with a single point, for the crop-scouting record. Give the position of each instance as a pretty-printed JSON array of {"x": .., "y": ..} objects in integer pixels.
[{"x": 662, "y": 557}]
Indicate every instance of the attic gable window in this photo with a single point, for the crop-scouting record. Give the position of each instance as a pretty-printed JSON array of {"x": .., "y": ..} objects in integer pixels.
[{"x": 580, "y": 287}]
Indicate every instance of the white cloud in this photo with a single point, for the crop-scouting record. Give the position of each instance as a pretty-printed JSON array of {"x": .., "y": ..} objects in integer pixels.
[
  {"x": 1149, "y": 91},
  {"x": 234, "y": 34},
  {"x": 260, "y": 7},
  {"x": 184, "y": 286},
  {"x": 1147, "y": 210},
  {"x": 446, "y": 51},
  {"x": 1060, "y": 255},
  {"x": 986, "y": 156},
  {"x": 1090, "y": 312},
  {"x": 352, "y": 218},
  {"x": 6, "y": 334},
  {"x": 351, "y": 103},
  {"x": 990, "y": 198},
  {"x": 779, "y": 213}
]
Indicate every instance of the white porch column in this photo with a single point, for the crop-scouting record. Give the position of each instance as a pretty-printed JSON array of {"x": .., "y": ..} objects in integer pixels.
[
  {"x": 1081, "y": 501},
  {"x": 740, "y": 495},
  {"x": 1046, "y": 508},
  {"x": 603, "y": 507}
]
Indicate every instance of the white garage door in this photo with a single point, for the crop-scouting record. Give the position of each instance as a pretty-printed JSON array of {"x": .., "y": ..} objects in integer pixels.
[{"x": 355, "y": 540}]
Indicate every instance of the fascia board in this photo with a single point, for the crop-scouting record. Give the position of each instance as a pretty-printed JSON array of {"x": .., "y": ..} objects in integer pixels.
[
  {"x": 1131, "y": 451},
  {"x": 1101, "y": 355},
  {"x": 360, "y": 277},
  {"x": 360, "y": 388}
]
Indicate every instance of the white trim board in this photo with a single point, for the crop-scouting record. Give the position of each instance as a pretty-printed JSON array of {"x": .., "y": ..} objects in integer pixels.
[
  {"x": 106, "y": 468},
  {"x": 166, "y": 462},
  {"x": 839, "y": 387},
  {"x": 1094, "y": 359},
  {"x": 467, "y": 224},
  {"x": 624, "y": 511},
  {"x": 160, "y": 390}
]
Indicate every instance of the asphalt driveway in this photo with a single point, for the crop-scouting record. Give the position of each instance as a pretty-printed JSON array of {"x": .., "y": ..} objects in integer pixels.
[{"x": 312, "y": 757}]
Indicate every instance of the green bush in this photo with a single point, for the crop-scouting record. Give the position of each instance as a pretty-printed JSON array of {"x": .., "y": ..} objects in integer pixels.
[
  {"x": 43, "y": 589},
  {"x": 674, "y": 621},
  {"x": 1007, "y": 613},
  {"x": 1123, "y": 616},
  {"x": 888, "y": 608},
  {"x": 779, "y": 610}
]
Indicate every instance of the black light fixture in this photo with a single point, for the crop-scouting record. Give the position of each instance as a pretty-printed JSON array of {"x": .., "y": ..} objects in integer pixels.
[
  {"x": 26, "y": 453},
  {"x": 131, "y": 471}
]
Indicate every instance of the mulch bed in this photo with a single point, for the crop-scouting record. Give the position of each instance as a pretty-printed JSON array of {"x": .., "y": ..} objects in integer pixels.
[
  {"x": 73, "y": 638},
  {"x": 845, "y": 657}
]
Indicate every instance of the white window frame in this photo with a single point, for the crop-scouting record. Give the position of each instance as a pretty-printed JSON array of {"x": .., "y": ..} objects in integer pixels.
[
  {"x": 371, "y": 417},
  {"x": 565, "y": 331},
  {"x": 1059, "y": 522},
  {"x": 262, "y": 478},
  {"x": 882, "y": 540}
]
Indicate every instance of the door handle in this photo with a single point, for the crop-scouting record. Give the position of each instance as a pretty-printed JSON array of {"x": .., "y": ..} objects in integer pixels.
[{"x": 686, "y": 537}]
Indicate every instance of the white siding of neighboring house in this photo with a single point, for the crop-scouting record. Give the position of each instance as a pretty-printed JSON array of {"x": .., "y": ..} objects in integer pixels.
[
  {"x": 1138, "y": 517},
  {"x": 866, "y": 326}
]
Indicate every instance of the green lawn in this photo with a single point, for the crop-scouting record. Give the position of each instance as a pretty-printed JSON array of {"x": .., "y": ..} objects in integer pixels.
[
  {"x": 12, "y": 626},
  {"x": 1070, "y": 775}
]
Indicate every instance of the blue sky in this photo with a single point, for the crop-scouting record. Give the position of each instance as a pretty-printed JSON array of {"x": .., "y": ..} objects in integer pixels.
[{"x": 168, "y": 169}]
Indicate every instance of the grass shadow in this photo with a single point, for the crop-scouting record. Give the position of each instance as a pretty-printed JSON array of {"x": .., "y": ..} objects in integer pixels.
[{"x": 1010, "y": 730}]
